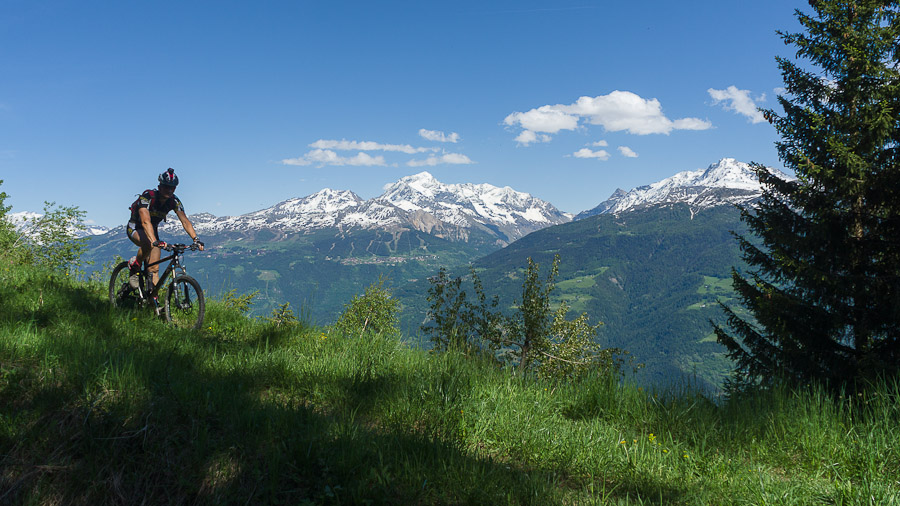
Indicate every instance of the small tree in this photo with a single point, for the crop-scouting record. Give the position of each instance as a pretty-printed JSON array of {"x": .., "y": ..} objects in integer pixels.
[
  {"x": 283, "y": 316},
  {"x": 374, "y": 311},
  {"x": 52, "y": 239},
  {"x": 7, "y": 231},
  {"x": 454, "y": 322},
  {"x": 530, "y": 329},
  {"x": 824, "y": 284}
]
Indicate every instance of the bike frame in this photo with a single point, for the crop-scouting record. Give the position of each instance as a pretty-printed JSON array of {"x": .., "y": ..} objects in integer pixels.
[{"x": 165, "y": 274}]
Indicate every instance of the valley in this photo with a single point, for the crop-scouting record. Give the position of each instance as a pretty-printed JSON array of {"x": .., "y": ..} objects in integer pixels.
[{"x": 651, "y": 264}]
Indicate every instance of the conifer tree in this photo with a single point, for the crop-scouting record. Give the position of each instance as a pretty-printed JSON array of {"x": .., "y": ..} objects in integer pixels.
[{"x": 823, "y": 286}]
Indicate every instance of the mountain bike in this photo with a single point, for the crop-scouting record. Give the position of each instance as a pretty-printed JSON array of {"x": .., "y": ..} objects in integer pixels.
[{"x": 184, "y": 304}]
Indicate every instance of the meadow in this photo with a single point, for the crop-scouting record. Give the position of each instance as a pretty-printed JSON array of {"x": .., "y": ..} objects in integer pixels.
[{"x": 99, "y": 406}]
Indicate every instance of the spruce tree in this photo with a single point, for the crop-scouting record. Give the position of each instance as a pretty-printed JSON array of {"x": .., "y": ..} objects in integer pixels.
[{"x": 823, "y": 285}]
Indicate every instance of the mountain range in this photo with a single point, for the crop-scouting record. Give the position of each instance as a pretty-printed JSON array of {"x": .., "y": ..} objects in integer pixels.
[
  {"x": 455, "y": 212},
  {"x": 726, "y": 182}
]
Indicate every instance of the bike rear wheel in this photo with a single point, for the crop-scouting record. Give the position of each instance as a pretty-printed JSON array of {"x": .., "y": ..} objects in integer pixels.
[
  {"x": 121, "y": 294},
  {"x": 185, "y": 305}
]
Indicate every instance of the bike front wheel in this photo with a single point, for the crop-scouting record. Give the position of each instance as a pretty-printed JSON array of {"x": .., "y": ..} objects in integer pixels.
[
  {"x": 185, "y": 305},
  {"x": 121, "y": 293}
]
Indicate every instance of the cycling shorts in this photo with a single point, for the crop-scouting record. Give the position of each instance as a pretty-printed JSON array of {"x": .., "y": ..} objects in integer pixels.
[{"x": 131, "y": 228}]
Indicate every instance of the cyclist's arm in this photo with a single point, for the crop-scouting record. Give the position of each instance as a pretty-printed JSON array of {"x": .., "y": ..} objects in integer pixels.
[
  {"x": 144, "y": 214},
  {"x": 188, "y": 226}
]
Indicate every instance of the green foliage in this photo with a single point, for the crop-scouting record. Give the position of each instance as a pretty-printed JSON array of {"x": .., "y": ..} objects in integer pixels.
[
  {"x": 530, "y": 331},
  {"x": 453, "y": 322},
  {"x": 825, "y": 274},
  {"x": 535, "y": 338},
  {"x": 283, "y": 316},
  {"x": 374, "y": 311},
  {"x": 6, "y": 228},
  {"x": 240, "y": 303},
  {"x": 572, "y": 349},
  {"x": 10, "y": 249},
  {"x": 51, "y": 240}
]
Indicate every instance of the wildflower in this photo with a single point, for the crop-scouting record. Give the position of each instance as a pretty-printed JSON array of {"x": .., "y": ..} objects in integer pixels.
[
  {"x": 622, "y": 442},
  {"x": 652, "y": 438},
  {"x": 665, "y": 451}
]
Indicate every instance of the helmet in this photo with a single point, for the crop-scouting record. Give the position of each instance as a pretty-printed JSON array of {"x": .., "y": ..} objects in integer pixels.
[{"x": 168, "y": 178}]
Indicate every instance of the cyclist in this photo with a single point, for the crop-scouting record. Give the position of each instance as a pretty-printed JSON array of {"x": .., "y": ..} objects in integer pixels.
[{"x": 147, "y": 211}]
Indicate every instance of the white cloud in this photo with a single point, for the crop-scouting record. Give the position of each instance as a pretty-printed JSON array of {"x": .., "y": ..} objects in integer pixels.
[
  {"x": 438, "y": 136},
  {"x": 323, "y": 157},
  {"x": 446, "y": 158},
  {"x": 345, "y": 145},
  {"x": 738, "y": 101},
  {"x": 587, "y": 153},
  {"x": 615, "y": 112},
  {"x": 548, "y": 119},
  {"x": 527, "y": 137},
  {"x": 601, "y": 144},
  {"x": 627, "y": 152}
]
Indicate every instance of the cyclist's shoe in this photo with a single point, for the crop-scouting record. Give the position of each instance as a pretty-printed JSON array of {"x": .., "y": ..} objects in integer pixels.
[{"x": 134, "y": 269}]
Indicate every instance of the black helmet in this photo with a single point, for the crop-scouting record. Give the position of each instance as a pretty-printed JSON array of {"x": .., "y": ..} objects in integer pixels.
[{"x": 168, "y": 178}]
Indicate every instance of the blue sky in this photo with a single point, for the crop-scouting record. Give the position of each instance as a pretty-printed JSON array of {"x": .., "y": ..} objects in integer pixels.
[{"x": 253, "y": 103}]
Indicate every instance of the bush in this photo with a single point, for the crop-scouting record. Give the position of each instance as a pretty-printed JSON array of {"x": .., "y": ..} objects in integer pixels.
[{"x": 374, "y": 311}]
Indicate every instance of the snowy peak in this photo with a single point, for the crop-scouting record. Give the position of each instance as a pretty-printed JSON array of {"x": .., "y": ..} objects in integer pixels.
[
  {"x": 727, "y": 181},
  {"x": 728, "y": 173},
  {"x": 323, "y": 202},
  {"x": 417, "y": 202},
  {"x": 461, "y": 204},
  {"x": 23, "y": 222}
]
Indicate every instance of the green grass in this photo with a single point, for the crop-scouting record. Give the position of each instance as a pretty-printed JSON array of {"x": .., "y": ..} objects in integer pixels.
[{"x": 100, "y": 406}]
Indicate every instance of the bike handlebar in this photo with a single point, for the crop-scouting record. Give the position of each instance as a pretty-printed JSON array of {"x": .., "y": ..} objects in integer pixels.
[{"x": 180, "y": 248}]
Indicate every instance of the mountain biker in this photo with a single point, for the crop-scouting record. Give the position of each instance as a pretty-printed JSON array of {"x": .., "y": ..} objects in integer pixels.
[{"x": 147, "y": 211}]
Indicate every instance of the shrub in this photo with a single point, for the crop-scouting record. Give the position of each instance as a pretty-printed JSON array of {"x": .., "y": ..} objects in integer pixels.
[{"x": 374, "y": 311}]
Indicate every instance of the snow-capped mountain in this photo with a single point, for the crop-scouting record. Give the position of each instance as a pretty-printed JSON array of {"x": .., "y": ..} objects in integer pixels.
[
  {"x": 22, "y": 221},
  {"x": 727, "y": 181},
  {"x": 419, "y": 202},
  {"x": 506, "y": 211}
]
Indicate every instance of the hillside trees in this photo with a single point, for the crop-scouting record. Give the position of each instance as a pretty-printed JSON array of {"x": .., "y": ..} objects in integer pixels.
[
  {"x": 534, "y": 338},
  {"x": 824, "y": 280},
  {"x": 50, "y": 239},
  {"x": 7, "y": 233}
]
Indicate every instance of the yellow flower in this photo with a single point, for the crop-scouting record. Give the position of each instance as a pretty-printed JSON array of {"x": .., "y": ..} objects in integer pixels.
[{"x": 622, "y": 442}]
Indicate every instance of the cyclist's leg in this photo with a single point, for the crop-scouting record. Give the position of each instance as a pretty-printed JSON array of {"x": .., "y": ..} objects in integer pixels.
[
  {"x": 140, "y": 239},
  {"x": 154, "y": 269}
]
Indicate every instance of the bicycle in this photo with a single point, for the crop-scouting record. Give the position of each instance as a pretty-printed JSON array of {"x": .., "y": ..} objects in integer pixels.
[{"x": 184, "y": 304}]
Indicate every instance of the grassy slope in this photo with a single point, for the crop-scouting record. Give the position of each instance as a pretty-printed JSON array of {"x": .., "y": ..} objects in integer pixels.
[{"x": 99, "y": 406}]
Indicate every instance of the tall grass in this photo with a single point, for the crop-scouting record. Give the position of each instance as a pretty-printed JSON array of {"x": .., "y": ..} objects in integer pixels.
[{"x": 109, "y": 407}]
